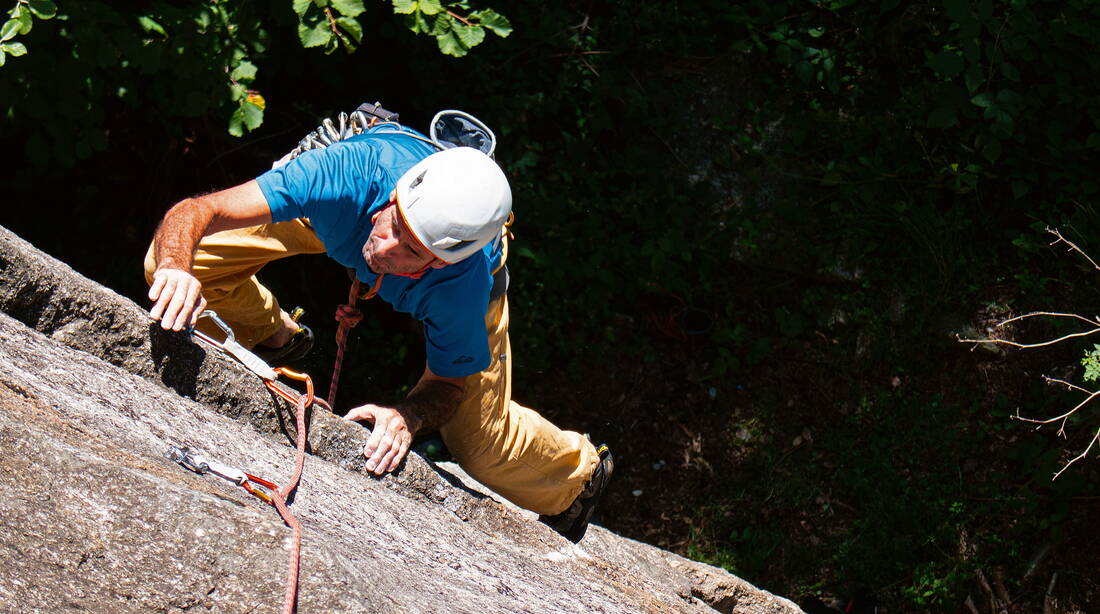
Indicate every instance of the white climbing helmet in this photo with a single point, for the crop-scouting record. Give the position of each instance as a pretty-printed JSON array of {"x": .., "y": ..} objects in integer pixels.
[{"x": 455, "y": 201}]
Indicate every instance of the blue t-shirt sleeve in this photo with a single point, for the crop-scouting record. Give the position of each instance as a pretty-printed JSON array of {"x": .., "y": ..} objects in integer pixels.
[
  {"x": 320, "y": 184},
  {"x": 455, "y": 338}
]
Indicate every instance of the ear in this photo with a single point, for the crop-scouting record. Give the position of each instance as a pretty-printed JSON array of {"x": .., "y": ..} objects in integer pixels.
[{"x": 393, "y": 196}]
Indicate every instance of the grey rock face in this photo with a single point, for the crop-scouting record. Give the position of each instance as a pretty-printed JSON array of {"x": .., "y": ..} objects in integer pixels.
[{"x": 94, "y": 516}]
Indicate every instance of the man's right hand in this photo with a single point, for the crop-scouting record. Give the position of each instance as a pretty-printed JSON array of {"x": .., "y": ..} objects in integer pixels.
[{"x": 178, "y": 299}]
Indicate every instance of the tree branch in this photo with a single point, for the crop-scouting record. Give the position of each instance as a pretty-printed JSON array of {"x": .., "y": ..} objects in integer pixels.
[
  {"x": 1052, "y": 314},
  {"x": 1072, "y": 245},
  {"x": 465, "y": 22},
  {"x": 1094, "y": 322}
]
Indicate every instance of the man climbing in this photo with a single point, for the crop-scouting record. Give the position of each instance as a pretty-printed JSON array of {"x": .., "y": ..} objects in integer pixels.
[{"x": 423, "y": 229}]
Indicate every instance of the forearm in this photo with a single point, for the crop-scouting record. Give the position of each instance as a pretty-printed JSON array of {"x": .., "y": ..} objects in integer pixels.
[
  {"x": 431, "y": 403},
  {"x": 180, "y": 232}
]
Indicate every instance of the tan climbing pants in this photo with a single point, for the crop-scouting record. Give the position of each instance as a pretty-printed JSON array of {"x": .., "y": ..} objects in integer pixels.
[
  {"x": 509, "y": 448},
  {"x": 226, "y": 264}
]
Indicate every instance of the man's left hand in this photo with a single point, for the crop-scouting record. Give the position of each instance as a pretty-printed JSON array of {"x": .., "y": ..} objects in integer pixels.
[{"x": 389, "y": 439}]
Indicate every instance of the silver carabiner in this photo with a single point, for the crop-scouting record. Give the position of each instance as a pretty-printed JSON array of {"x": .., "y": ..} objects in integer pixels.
[{"x": 230, "y": 346}]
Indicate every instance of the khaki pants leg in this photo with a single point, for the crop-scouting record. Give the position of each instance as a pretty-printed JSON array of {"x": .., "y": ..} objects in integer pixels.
[
  {"x": 226, "y": 264},
  {"x": 512, "y": 449}
]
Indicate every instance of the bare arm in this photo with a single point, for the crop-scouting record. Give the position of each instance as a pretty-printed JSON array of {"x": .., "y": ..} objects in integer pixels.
[
  {"x": 177, "y": 295},
  {"x": 429, "y": 405}
]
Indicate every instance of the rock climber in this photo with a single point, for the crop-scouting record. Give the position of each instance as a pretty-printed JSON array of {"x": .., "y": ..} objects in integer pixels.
[{"x": 424, "y": 230}]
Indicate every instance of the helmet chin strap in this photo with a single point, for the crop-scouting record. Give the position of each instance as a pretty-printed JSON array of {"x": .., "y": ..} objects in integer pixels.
[{"x": 418, "y": 274}]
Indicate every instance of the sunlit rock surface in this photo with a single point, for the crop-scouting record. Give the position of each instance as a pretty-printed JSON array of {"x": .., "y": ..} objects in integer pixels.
[{"x": 96, "y": 518}]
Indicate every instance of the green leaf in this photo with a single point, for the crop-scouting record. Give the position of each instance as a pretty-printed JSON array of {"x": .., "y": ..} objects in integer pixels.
[
  {"x": 957, "y": 10},
  {"x": 150, "y": 25},
  {"x": 404, "y": 7},
  {"x": 13, "y": 49},
  {"x": 783, "y": 55},
  {"x": 9, "y": 29},
  {"x": 253, "y": 115},
  {"x": 43, "y": 9},
  {"x": 992, "y": 150},
  {"x": 985, "y": 10},
  {"x": 245, "y": 71},
  {"x": 352, "y": 27},
  {"x": 805, "y": 71},
  {"x": 498, "y": 24},
  {"x": 469, "y": 35},
  {"x": 2, "y": 57},
  {"x": 947, "y": 63},
  {"x": 238, "y": 91},
  {"x": 315, "y": 35},
  {"x": 25, "y": 22},
  {"x": 983, "y": 100},
  {"x": 247, "y": 116},
  {"x": 942, "y": 117},
  {"x": 1009, "y": 71},
  {"x": 1010, "y": 98},
  {"x": 975, "y": 77},
  {"x": 349, "y": 8},
  {"x": 420, "y": 23},
  {"x": 301, "y": 6},
  {"x": 816, "y": 32},
  {"x": 349, "y": 44},
  {"x": 450, "y": 44},
  {"x": 972, "y": 50},
  {"x": 430, "y": 7},
  {"x": 236, "y": 123},
  {"x": 525, "y": 252}
]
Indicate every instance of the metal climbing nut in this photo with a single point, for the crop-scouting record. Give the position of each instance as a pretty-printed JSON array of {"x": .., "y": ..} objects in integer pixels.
[
  {"x": 184, "y": 456},
  {"x": 199, "y": 464}
]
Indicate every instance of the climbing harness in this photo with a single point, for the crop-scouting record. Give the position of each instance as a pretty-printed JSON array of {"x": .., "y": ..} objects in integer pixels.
[{"x": 260, "y": 488}]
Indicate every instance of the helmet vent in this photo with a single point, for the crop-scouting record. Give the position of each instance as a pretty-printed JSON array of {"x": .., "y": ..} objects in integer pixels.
[
  {"x": 451, "y": 244},
  {"x": 419, "y": 179}
]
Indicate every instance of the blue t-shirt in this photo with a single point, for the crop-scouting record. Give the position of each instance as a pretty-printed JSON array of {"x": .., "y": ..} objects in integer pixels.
[{"x": 339, "y": 188}]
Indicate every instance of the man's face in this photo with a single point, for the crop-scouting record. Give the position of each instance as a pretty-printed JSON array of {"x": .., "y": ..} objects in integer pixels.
[{"x": 392, "y": 248}]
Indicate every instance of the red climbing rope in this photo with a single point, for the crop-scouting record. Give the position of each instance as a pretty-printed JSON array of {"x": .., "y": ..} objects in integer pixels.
[
  {"x": 348, "y": 315},
  {"x": 278, "y": 497}
]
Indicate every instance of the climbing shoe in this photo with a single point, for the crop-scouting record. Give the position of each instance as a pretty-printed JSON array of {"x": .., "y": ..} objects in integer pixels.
[
  {"x": 301, "y": 342},
  {"x": 573, "y": 522}
]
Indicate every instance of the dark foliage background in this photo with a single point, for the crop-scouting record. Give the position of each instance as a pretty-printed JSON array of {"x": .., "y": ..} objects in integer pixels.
[{"x": 748, "y": 234}]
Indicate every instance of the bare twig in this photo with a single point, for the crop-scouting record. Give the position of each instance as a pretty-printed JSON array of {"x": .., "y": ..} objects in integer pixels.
[
  {"x": 1092, "y": 442},
  {"x": 465, "y": 22},
  {"x": 1063, "y": 418},
  {"x": 1050, "y": 314},
  {"x": 332, "y": 22},
  {"x": 1055, "y": 380},
  {"x": 1053, "y": 314},
  {"x": 1072, "y": 246}
]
